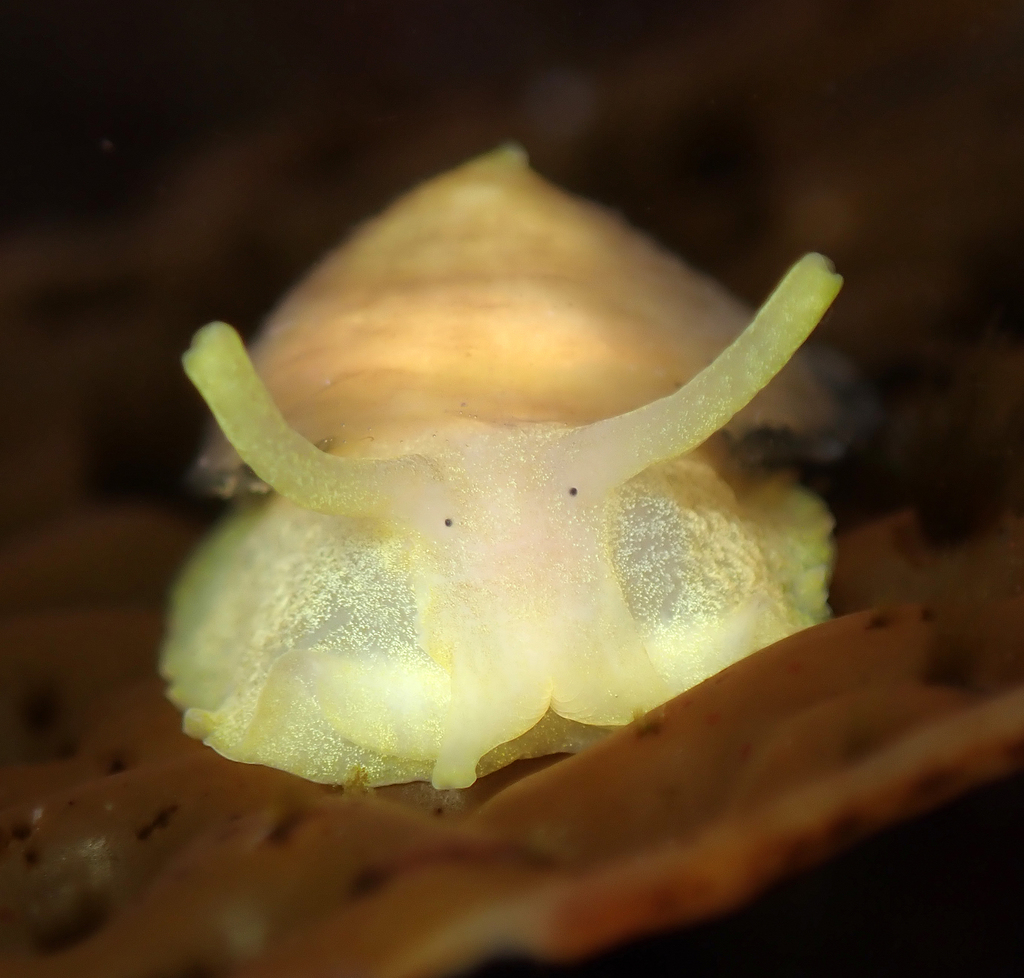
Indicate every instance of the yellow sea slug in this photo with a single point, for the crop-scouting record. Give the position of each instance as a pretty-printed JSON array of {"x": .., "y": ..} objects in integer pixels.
[{"x": 496, "y": 527}]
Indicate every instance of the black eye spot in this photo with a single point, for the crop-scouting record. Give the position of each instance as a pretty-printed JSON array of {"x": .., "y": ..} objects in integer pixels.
[
  {"x": 573, "y": 491},
  {"x": 448, "y": 522}
]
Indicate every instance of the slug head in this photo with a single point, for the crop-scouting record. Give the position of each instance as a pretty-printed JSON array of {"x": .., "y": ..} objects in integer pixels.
[{"x": 536, "y": 552}]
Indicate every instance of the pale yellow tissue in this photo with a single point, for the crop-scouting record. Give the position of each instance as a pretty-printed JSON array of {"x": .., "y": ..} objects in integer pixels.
[{"x": 506, "y": 588}]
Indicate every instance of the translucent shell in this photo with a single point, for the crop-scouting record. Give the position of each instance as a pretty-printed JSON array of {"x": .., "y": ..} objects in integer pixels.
[
  {"x": 513, "y": 540},
  {"x": 487, "y": 294}
]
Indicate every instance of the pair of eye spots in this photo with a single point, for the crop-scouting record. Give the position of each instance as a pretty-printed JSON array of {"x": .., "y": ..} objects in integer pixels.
[{"x": 572, "y": 492}]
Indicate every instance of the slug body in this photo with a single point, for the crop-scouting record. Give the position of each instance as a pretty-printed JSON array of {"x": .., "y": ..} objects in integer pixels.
[{"x": 514, "y": 533}]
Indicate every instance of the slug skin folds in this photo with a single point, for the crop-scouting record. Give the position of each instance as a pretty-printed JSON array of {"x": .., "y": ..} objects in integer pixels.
[{"x": 528, "y": 538}]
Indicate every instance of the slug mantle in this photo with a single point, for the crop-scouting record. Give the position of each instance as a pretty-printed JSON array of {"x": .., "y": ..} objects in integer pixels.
[{"x": 514, "y": 533}]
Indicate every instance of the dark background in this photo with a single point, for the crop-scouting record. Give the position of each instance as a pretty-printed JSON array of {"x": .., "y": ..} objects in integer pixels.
[
  {"x": 166, "y": 164},
  {"x": 160, "y": 80}
]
